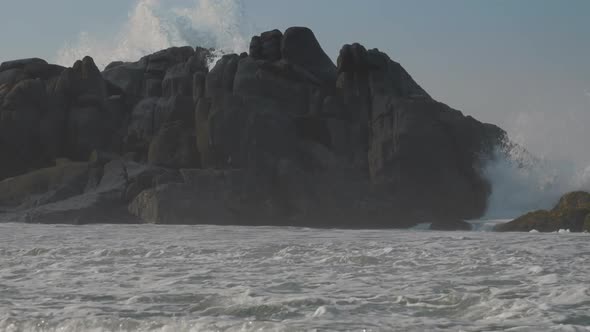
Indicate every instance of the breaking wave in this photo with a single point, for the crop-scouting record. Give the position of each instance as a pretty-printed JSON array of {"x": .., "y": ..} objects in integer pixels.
[
  {"x": 218, "y": 24},
  {"x": 523, "y": 182},
  {"x": 549, "y": 159}
]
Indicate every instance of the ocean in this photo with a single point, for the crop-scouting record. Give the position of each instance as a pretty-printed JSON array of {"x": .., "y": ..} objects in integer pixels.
[{"x": 211, "y": 278}]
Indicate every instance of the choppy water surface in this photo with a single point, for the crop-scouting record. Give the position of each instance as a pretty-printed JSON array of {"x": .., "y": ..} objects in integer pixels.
[{"x": 156, "y": 278}]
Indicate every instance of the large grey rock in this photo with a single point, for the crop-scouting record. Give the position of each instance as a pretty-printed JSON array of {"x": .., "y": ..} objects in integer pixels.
[
  {"x": 17, "y": 190},
  {"x": 271, "y": 45},
  {"x": 20, "y": 119},
  {"x": 300, "y": 47},
  {"x": 174, "y": 147},
  {"x": 106, "y": 204},
  {"x": 268, "y": 82},
  {"x": 572, "y": 213},
  {"x": 141, "y": 128},
  {"x": 86, "y": 80},
  {"x": 206, "y": 198},
  {"x": 220, "y": 81},
  {"x": 87, "y": 131},
  {"x": 161, "y": 61},
  {"x": 127, "y": 76},
  {"x": 176, "y": 108},
  {"x": 20, "y": 64},
  {"x": 424, "y": 151},
  {"x": 178, "y": 81},
  {"x": 202, "y": 112}
]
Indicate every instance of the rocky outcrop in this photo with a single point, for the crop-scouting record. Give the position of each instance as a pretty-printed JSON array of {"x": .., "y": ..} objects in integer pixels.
[
  {"x": 572, "y": 212},
  {"x": 280, "y": 136},
  {"x": 203, "y": 195},
  {"x": 158, "y": 89},
  {"x": 45, "y": 185},
  {"x": 102, "y": 194},
  {"x": 48, "y": 112}
]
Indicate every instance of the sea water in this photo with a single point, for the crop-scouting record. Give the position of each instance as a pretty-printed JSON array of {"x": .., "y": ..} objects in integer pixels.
[{"x": 210, "y": 278}]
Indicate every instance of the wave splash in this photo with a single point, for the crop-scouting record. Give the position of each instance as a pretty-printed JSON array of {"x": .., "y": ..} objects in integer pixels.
[
  {"x": 217, "y": 24},
  {"x": 523, "y": 183}
]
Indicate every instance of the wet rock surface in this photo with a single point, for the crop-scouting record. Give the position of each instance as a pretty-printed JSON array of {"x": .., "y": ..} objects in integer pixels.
[
  {"x": 572, "y": 213},
  {"x": 279, "y": 136}
]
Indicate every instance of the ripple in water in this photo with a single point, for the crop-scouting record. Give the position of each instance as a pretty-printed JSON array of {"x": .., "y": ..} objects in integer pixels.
[{"x": 176, "y": 278}]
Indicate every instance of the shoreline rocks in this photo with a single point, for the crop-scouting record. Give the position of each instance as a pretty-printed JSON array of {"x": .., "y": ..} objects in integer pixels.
[
  {"x": 572, "y": 213},
  {"x": 279, "y": 136}
]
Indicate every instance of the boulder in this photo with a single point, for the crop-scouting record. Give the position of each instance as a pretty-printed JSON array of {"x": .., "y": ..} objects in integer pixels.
[
  {"x": 20, "y": 123},
  {"x": 127, "y": 76},
  {"x": 20, "y": 64},
  {"x": 178, "y": 81},
  {"x": 272, "y": 86},
  {"x": 42, "y": 70},
  {"x": 175, "y": 108},
  {"x": 429, "y": 158},
  {"x": 300, "y": 47},
  {"x": 159, "y": 62},
  {"x": 573, "y": 200},
  {"x": 199, "y": 84},
  {"x": 105, "y": 204},
  {"x": 140, "y": 130},
  {"x": 69, "y": 176},
  {"x": 255, "y": 50},
  {"x": 572, "y": 212},
  {"x": 88, "y": 130},
  {"x": 424, "y": 152},
  {"x": 205, "y": 199},
  {"x": 270, "y": 45},
  {"x": 202, "y": 131},
  {"x": 220, "y": 81},
  {"x": 7, "y": 80},
  {"x": 174, "y": 147},
  {"x": 86, "y": 80}
]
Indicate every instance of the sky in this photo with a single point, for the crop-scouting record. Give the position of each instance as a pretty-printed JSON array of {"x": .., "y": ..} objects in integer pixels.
[{"x": 523, "y": 65}]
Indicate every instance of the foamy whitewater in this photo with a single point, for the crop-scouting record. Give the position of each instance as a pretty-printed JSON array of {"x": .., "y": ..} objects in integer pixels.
[{"x": 203, "y": 278}]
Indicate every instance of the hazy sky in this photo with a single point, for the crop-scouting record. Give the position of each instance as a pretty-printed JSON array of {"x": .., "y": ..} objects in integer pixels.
[{"x": 522, "y": 64}]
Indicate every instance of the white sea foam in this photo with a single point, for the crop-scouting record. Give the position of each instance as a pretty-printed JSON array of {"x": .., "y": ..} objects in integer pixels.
[
  {"x": 151, "y": 26},
  {"x": 204, "y": 278}
]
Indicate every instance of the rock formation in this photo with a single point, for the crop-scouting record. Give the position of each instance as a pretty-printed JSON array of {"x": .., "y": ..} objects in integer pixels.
[
  {"x": 572, "y": 212},
  {"x": 279, "y": 136}
]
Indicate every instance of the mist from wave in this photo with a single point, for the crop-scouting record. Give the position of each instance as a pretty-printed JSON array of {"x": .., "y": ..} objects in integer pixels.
[
  {"x": 523, "y": 182},
  {"x": 550, "y": 157},
  {"x": 151, "y": 26}
]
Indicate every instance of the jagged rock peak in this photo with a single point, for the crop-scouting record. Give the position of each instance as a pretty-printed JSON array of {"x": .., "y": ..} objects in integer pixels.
[{"x": 298, "y": 47}]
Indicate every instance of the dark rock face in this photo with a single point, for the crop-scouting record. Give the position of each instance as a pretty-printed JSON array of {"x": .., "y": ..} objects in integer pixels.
[
  {"x": 299, "y": 47},
  {"x": 159, "y": 88},
  {"x": 174, "y": 147},
  {"x": 572, "y": 212},
  {"x": 202, "y": 195},
  {"x": 280, "y": 136}
]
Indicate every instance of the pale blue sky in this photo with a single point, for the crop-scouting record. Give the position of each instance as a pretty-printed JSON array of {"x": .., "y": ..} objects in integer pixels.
[{"x": 523, "y": 64}]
